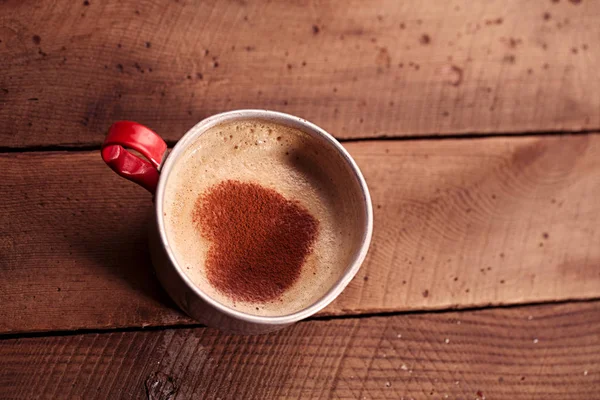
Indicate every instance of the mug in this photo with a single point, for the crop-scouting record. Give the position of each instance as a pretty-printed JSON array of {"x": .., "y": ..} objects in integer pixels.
[{"x": 153, "y": 172}]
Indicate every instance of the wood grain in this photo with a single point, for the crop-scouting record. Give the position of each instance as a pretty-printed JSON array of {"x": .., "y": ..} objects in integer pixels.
[
  {"x": 359, "y": 69},
  {"x": 458, "y": 223},
  {"x": 543, "y": 352}
]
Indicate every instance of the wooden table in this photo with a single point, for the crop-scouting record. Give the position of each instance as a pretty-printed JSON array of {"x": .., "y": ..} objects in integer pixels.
[{"x": 475, "y": 124}]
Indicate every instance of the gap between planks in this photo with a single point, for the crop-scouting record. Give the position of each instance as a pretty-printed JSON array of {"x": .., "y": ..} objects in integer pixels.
[
  {"x": 317, "y": 317},
  {"x": 408, "y": 138}
]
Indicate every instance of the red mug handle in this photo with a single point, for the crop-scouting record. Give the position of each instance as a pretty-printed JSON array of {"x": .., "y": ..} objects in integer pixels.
[{"x": 132, "y": 135}]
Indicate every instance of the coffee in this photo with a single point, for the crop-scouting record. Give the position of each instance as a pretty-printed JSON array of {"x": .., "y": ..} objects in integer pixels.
[{"x": 259, "y": 216}]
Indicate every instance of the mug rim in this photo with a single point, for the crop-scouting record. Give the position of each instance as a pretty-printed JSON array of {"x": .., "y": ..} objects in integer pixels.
[{"x": 278, "y": 117}]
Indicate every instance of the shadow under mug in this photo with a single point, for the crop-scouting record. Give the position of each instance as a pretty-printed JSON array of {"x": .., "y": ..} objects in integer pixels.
[{"x": 153, "y": 172}]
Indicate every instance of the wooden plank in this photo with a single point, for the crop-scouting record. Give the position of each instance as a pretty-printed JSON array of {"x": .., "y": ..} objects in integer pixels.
[
  {"x": 543, "y": 352},
  {"x": 458, "y": 223},
  {"x": 359, "y": 69}
]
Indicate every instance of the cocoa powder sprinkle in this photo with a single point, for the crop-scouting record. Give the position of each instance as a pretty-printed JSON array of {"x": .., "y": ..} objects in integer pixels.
[{"x": 259, "y": 239}]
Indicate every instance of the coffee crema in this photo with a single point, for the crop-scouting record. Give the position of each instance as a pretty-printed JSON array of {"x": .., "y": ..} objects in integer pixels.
[{"x": 260, "y": 217}]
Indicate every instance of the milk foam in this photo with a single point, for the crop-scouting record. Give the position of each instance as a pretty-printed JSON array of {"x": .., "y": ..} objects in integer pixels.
[{"x": 281, "y": 158}]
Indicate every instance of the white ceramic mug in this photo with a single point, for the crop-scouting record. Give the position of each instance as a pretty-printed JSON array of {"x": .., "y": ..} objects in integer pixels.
[{"x": 153, "y": 173}]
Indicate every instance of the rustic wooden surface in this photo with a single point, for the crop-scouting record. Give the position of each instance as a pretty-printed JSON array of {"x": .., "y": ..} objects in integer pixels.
[
  {"x": 359, "y": 69},
  {"x": 458, "y": 223},
  {"x": 543, "y": 352}
]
